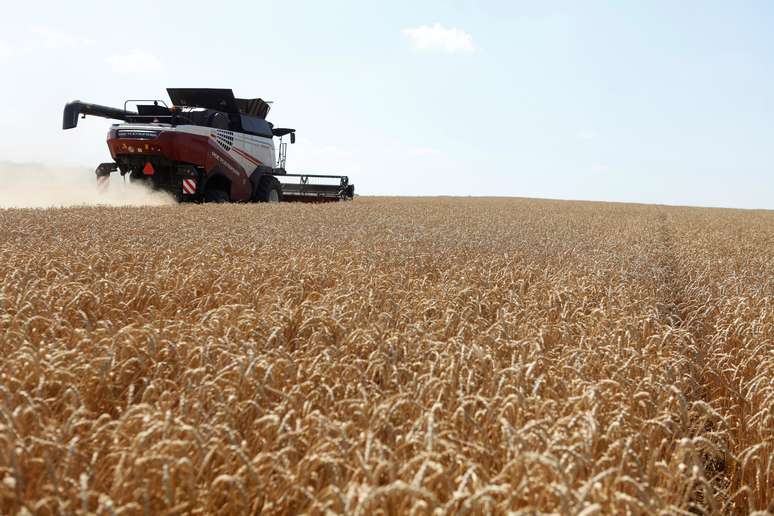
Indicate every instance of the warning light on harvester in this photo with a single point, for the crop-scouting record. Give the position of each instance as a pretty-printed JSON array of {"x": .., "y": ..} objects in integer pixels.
[{"x": 148, "y": 169}]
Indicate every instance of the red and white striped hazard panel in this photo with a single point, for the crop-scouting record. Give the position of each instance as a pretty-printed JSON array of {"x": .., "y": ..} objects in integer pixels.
[
  {"x": 189, "y": 186},
  {"x": 102, "y": 182}
]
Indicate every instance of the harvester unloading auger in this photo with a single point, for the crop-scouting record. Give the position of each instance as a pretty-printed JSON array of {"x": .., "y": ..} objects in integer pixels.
[{"x": 208, "y": 146}]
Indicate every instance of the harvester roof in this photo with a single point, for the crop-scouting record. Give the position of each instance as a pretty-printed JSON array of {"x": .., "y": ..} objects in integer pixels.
[{"x": 219, "y": 99}]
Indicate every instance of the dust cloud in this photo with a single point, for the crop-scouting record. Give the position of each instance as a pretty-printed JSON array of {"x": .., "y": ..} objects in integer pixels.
[{"x": 32, "y": 185}]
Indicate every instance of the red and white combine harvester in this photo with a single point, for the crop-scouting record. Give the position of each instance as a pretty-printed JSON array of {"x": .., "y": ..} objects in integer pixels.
[{"x": 208, "y": 146}]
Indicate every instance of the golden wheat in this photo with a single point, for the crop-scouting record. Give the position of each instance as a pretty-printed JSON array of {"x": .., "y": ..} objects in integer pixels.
[{"x": 387, "y": 356}]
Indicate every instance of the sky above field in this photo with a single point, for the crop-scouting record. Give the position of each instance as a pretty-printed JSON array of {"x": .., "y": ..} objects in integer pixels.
[{"x": 658, "y": 102}]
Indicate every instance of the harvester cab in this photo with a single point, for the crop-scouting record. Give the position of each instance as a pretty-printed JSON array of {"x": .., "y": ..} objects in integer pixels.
[{"x": 207, "y": 146}]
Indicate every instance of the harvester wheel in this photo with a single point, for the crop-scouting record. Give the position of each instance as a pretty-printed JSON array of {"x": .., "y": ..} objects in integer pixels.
[
  {"x": 269, "y": 190},
  {"x": 216, "y": 195}
]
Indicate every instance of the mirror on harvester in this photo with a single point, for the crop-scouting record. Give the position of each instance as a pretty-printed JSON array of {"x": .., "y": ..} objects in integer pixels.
[{"x": 292, "y": 137}]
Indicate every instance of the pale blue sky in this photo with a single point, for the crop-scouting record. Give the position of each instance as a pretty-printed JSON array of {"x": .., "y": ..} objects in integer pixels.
[{"x": 666, "y": 102}]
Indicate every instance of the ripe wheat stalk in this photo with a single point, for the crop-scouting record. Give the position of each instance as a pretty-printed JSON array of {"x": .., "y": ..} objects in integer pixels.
[{"x": 387, "y": 356}]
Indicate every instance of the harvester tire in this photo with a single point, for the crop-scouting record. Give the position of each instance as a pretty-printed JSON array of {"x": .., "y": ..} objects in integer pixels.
[
  {"x": 216, "y": 195},
  {"x": 269, "y": 190}
]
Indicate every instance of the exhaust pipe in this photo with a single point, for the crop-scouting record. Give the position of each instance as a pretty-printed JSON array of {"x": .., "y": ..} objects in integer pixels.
[{"x": 76, "y": 107}]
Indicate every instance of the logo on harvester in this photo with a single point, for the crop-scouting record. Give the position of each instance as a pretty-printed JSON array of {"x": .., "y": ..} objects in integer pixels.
[
  {"x": 223, "y": 162},
  {"x": 137, "y": 134}
]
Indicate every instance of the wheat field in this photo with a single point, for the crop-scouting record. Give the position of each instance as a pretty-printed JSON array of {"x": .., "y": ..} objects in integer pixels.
[{"x": 387, "y": 356}]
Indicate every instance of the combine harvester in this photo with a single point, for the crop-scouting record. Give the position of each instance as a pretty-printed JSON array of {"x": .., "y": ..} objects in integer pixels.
[{"x": 208, "y": 146}]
